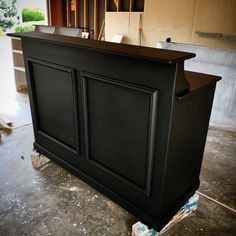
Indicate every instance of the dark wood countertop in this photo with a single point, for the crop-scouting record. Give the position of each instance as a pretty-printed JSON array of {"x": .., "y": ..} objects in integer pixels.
[
  {"x": 154, "y": 54},
  {"x": 199, "y": 80}
]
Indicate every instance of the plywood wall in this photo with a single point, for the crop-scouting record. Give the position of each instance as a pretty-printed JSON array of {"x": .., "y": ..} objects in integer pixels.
[
  {"x": 201, "y": 22},
  {"x": 125, "y": 23}
]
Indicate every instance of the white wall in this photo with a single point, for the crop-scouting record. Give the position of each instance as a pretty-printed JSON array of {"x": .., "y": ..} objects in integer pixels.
[{"x": 221, "y": 62}]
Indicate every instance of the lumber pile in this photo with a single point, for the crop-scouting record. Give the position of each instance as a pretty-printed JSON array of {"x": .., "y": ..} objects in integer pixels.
[{"x": 5, "y": 124}]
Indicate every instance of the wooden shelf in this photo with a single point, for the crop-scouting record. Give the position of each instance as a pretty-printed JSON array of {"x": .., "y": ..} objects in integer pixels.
[
  {"x": 20, "y": 68},
  {"x": 16, "y": 44},
  {"x": 17, "y": 51}
]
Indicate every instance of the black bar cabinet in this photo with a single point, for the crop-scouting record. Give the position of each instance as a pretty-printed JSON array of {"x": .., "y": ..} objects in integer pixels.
[{"x": 128, "y": 120}]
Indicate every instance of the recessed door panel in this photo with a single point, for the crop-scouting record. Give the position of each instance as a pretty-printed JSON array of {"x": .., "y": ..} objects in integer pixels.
[
  {"x": 54, "y": 89},
  {"x": 120, "y": 127}
]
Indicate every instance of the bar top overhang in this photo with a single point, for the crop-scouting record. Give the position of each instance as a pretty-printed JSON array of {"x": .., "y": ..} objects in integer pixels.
[{"x": 155, "y": 54}]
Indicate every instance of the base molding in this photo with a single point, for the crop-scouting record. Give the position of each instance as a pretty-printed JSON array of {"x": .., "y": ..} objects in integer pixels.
[{"x": 145, "y": 218}]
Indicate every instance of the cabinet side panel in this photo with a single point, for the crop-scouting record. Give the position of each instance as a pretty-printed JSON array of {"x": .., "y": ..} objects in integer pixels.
[{"x": 190, "y": 120}]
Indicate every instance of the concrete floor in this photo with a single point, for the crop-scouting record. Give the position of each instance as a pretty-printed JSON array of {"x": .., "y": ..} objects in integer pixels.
[{"x": 51, "y": 201}]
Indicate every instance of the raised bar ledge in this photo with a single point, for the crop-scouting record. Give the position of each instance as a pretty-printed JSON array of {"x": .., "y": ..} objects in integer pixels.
[{"x": 154, "y": 54}]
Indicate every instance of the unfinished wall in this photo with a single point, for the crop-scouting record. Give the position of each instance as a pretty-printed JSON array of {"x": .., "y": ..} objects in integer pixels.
[
  {"x": 101, "y": 13},
  {"x": 200, "y": 22},
  {"x": 221, "y": 62},
  {"x": 210, "y": 23},
  {"x": 125, "y": 23}
]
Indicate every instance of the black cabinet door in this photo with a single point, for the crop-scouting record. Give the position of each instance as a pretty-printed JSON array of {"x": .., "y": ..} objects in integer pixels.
[
  {"x": 119, "y": 131},
  {"x": 55, "y": 111}
]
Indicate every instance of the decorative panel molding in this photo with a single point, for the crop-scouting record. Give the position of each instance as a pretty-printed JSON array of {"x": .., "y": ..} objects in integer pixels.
[
  {"x": 58, "y": 121},
  {"x": 120, "y": 126}
]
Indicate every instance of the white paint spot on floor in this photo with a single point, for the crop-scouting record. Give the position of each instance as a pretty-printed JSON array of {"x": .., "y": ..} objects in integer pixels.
[{"x": 73, "y": 189}]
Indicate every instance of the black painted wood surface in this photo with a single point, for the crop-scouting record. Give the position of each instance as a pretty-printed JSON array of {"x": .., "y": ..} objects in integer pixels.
[{"x": 127, "y": 120}]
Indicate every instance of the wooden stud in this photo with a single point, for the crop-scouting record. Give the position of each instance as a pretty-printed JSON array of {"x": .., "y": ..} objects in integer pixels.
[
  {"x": 96, "y": 19},
  {"x": 86, "y": 15},
  {"x": 118, "y": 4},
  {"x": 101, "y": 30},
  {"x": 49, "y": 12},
  {"x": 140, "y": 29},
  {"x": 72, "y": 5},
  {"x": 131, "y": 5},
  {"x": 68, "y": 13},
  {"x": 107, "y": 5},
  {"x": 56, "y": 12},
  {"x": 76, "y": 13}
]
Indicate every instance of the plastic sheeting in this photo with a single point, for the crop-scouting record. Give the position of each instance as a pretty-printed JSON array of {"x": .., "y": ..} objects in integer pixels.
[{"x": 215, "y": 61}]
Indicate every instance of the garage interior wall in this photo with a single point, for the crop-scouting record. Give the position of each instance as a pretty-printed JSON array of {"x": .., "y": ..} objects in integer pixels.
[
  {"x": 206, "y": 24},
  {"x": 209, "y": 25}
]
